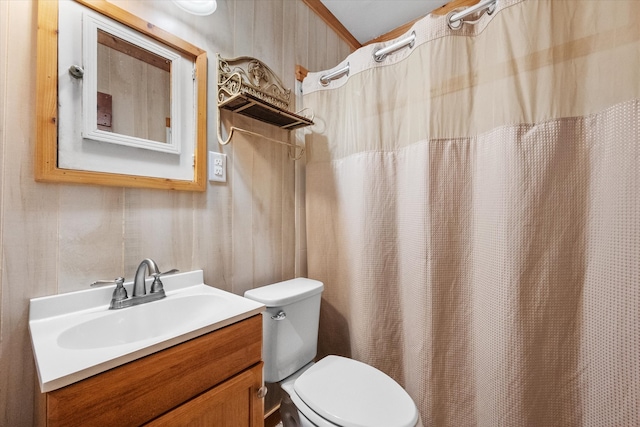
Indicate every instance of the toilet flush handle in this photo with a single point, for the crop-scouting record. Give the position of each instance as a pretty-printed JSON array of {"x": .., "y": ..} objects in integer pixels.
[{"x": 280, "y": 316}]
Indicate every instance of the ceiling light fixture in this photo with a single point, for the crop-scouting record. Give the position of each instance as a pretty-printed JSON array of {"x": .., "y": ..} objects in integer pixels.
[{"x": 197, "y": 7}]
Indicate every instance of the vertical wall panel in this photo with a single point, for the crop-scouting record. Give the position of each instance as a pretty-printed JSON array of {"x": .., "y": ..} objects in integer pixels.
[
  {"x": 242, "y": 205},
  {"x": 58, "y": 238},
  {"x": 158, "y": 225},
  {"x": 29, "y": 218},
  {"x": 301, "y": 42},
  {"x": 243, "y": 33},
  {"x": 317, "y": 40},
  {"x": 267, "y": 38},
  {"x": 89, "y": 236}
]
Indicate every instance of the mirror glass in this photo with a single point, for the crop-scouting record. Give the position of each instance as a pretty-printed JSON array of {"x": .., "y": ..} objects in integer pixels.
[
  {"x": 134, "y": 90},
  {"x": 126, "y": 96}
]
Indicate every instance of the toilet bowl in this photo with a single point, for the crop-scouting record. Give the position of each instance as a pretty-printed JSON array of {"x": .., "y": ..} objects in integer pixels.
[{"x": 334, "y": 391}]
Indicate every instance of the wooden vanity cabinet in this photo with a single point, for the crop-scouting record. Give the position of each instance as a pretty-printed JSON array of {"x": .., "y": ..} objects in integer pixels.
[
  {"x": 230, "y": 404},
  {"x": 212, "y": 380}
]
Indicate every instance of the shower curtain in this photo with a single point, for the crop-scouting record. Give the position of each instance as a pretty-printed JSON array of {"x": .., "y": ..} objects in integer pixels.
[{"x": 473, "y": 209}]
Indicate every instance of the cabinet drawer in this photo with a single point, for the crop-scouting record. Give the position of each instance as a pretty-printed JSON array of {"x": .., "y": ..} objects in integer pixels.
[
  {"x": 234, "y": 403},
  {"x": 139, "y": 391}
]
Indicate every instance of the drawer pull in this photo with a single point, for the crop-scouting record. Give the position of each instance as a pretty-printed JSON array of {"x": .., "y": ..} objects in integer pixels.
[{"x": 262, "y": 392}]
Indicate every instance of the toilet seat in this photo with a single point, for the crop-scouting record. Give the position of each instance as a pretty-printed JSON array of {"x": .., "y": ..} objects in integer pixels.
[
  {"x": 348, "y": 393},
  {"x": 305, "y": 414}
]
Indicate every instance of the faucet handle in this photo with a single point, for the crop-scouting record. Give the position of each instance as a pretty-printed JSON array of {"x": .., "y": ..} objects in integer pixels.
[
  {"x": 119, "y": 293},
  {"x": 157, "y": 286},
  {"x": 117, "y": 280},
  {"x": 172, "y": 271}
]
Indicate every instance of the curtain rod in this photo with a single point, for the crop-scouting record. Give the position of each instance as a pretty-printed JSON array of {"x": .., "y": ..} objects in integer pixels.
[
  {"x": 380, "y": 54},
  {"x": 456, "y": 19},
  {"x": 326, "y": 79}
]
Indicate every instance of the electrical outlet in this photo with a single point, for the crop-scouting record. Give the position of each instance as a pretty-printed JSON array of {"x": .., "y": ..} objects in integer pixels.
[{"x": 217, "y": 167}]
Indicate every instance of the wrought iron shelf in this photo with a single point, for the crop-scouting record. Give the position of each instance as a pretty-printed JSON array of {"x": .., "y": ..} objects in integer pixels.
[
  {"x": 249, "y": 87},
  {"x": 255, "y": 108}
]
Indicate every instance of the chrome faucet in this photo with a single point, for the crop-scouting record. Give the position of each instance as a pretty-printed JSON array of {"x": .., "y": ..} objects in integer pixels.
[
  {"x": 139, "y": 295},
  {"x": 139, "y": 286}
]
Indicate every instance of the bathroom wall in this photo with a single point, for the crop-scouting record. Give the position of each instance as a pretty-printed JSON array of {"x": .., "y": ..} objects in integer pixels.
[{"x": 59, "y": 238}]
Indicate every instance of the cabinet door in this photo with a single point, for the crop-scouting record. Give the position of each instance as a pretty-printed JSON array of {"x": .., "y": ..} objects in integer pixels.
[{"x": 234, "y": 403}]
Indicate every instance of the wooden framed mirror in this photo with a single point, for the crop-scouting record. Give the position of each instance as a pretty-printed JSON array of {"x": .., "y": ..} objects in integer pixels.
[{"x": 150, "y": 156}]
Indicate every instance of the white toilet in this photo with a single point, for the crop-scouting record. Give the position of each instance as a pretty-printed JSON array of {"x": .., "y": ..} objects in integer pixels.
[{"x": 335, "y": 391}]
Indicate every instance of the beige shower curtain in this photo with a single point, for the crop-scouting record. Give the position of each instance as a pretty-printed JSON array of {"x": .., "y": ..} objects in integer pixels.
[{"x": 473, "y": 208}]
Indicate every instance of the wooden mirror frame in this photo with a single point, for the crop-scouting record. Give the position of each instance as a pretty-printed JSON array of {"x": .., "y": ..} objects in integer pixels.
[{"x": 46, "y": 153}]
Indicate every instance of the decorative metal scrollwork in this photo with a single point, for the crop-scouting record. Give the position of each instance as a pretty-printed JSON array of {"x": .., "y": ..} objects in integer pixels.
[
  {"x": 247, "y": 86},
  {"x": 251, "y": 76}
]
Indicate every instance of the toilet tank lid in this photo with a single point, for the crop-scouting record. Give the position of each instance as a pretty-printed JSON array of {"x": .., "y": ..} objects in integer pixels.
[{"x": 287, "y": 292}]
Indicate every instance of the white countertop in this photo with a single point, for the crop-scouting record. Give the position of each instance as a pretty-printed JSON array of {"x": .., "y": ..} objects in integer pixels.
[{"x": 52, "y": 318}]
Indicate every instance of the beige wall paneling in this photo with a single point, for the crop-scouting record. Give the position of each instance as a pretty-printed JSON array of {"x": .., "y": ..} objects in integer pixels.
[
  {"x": 310, "y": 39},
  {"x": 90, "y": 238},
  {"x": 268, "y": 35},
  {"x": 272, "y": 167},
  {"x": 288, "y": 219},
  {"x": 257, "y": 207},
  {"x": 288, "y": 179},
  {"x": 267, "y": 207},
  {"x": 301, "y": 34},
  {"x": 251, "y": 27},
  {"x": 158, "y": 225},
  {"x": 289, "y": 12},
  {"x": 260, "y": 167},
  {"x": 221, "y": 36},
  {"x": 242, "y": 203},
  {"x": 332, "y": 22},
  {"x": 243, "y": 33},
  {"x": 58, "y": 238},
  {"x": 289, "y": 46},
  {"x": 317, "y": 43},
  {"x": 301, "y": 46},
  {"x": 332, "y": 53},
  {"x": 212, "y": 228},
  {"x": 300, "y": 243},
  {"x": 344, "y": 50},
  {"x": 4, "y": 61},
  {"x": 212, "y": 224},
  {"x": 29, "y": 218}
]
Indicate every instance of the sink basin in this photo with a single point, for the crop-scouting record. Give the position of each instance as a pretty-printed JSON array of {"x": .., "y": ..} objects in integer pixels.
[
  {"x": 75, "y": 335},
  {"x": 138, "y": 323}
]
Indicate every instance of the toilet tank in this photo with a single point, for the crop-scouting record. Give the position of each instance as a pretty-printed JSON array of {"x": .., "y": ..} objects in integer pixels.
[{"x": 289, "y": 325}]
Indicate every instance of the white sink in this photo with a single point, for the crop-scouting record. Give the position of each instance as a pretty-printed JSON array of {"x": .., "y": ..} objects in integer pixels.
[
  {"x": 144, "y": 321},
  {"x": 75, "y": 335}
]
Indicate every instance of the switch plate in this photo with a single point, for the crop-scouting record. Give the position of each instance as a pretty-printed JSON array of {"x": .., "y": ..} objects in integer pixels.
[{"x": 217, "y": 167}]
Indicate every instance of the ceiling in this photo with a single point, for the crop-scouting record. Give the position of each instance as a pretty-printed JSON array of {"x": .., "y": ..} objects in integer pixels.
[{"x": 368, "y": 19}]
